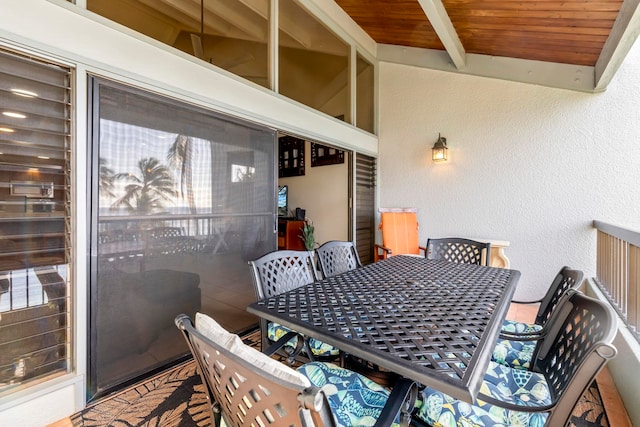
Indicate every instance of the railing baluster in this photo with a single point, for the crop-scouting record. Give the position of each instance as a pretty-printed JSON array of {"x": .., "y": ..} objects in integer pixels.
[
  {"x": 634, "y": 287},
  {"x": 618, "y": 271}
]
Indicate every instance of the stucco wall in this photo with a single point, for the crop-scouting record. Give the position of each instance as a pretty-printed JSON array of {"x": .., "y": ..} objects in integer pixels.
[{"x": 529, "y": 164}]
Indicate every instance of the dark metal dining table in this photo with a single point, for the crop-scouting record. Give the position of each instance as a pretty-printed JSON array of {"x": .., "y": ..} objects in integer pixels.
[{"x": 435, "y": 322}]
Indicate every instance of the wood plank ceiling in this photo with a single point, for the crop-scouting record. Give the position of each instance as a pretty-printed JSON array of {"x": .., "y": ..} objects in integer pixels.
[{"x": 567, "y": 32}]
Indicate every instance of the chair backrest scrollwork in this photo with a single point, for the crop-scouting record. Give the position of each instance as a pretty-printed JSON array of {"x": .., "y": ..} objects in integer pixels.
[
  {"x": 565, "y": 279},
  {"x": 246, "y": 387},
  {"x": 578, "y": 344},
  {"x": 459, "y": 250},
  {"x": 281, "y": 271},
  {"x": 337, "y": 257}
]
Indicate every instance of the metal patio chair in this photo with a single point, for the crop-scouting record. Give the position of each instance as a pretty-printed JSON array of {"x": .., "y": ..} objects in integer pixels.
[
  {"x": 278, "y": 272},
  {"x": 575, "y": 345},
  {"x": 247, "y": 387},
  {"x": 459, "y": 250},
  {"x": 511, "y": 349},
  {"x": 336, "y": 257}
]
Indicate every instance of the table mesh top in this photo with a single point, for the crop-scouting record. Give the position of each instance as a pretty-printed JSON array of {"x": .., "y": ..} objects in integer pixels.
[{"x": 433, "y": 314}]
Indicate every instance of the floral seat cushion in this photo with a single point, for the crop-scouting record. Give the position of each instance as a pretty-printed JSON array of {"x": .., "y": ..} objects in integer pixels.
[
  {"x": 516, "y": 354},
  {"x": 354, "y": 399},
  {"x": 514, "y": 327},
  {"x": 276, "y": 331},
  {"x": 515, "y": 386}
]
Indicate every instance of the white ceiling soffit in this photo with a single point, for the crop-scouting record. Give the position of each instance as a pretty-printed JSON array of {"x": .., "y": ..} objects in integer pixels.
[{"x": 564, "y": 76}]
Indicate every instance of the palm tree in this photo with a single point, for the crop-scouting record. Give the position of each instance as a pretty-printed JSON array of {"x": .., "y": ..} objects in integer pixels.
[
  {"x": 180, "y": 156},
  {"x": 106, "y": 179},
  {"x": 146, "y": 193}
]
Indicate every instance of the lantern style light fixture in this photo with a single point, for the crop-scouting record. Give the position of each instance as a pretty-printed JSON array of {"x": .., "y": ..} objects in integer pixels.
[{"x": 439, "y": 150}]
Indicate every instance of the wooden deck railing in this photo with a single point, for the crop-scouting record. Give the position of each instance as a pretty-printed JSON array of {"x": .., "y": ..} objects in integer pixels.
[{"x": 618, "y": 271}]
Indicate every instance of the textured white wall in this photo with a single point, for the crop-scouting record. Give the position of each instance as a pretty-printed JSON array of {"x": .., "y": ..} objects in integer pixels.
[{"x": 529, "y": 164}]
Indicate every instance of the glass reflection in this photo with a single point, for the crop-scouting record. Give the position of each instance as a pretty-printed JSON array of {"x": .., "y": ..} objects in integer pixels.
[
  {"x": 230, "y": 34},
  {"x": 364, "y": 95},
  {"x": 313, "y": 62}
]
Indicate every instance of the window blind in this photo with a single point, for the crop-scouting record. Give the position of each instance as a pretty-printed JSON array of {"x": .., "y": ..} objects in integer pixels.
[
  {"x": 365, "y": 203},
  {"x": 35, "y": 135}
]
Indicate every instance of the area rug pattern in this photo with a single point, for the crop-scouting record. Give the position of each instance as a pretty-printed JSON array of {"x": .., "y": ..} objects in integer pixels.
[{"x": 176, "y": 398}]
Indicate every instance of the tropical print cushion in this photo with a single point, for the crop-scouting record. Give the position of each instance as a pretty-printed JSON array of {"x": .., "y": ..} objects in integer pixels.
[
  {"x": 515, "y": 354},
  {"x": 354, "y": 399},
  {"x": 276, "y": 331},
  {"x": 515, "y": 386},
  {"x": 514, "y": 327}
]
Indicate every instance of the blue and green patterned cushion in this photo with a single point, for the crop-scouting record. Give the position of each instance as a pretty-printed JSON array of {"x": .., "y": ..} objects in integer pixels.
[
  {"x": 276, "y": 331},
  {"x": 515, "y": 386},
  {"x": 354, "y": 399},
  {"x": 516, "y": 354},
  {"x": 514, "y": 327}
]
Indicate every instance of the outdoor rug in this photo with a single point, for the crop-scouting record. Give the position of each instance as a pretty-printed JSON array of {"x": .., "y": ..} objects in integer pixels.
[{"x": 176, "y": 398}]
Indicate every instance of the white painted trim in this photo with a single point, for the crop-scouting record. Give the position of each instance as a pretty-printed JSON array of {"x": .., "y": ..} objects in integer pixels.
[
  {"x": 36, "y": 391},
  {"x": 79, "y": 223},
  {"x": 274, "y": 42},
  {"x": 563, "y": 76},
  {"x": 352, "y": 84}
]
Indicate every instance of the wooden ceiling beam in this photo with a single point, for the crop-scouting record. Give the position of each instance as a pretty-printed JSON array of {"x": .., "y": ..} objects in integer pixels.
[{"x": 441, "y": 23}]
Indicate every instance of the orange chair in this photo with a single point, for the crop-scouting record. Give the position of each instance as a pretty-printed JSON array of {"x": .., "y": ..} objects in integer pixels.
[{"x": 399, "y": 227}]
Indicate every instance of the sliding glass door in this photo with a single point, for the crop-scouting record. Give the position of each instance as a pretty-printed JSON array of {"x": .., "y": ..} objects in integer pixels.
[{"x": 182, "y": 198}]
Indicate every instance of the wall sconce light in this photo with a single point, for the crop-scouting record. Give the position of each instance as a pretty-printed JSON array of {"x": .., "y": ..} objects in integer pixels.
[{"x": 439, "y": 150}]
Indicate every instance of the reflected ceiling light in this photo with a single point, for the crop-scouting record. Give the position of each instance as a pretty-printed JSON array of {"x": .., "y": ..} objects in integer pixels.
[
  {"x": 44, "y": 157},
  {"x": 439, "y": 150},
  {"x": 8, "y": 130},
  {"x": 14, "y": 115},
  {"x": 196, "y": 39},
  {"x": 24, "y": 92}
]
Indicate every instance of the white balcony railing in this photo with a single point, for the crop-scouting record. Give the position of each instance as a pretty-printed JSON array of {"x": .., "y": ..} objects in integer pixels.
[{"x": 618, "y": 271}]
